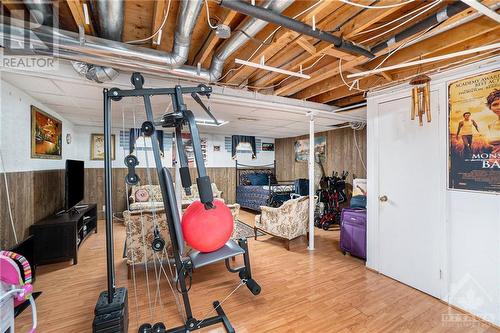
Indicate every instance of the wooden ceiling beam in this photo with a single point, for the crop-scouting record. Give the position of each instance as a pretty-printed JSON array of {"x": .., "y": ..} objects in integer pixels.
[
  {"x": 348, "y": 30},
  {"x": 350, "y": 100},
  {"x": 283, "y": 38},
  {"x": 342, "y": 91},
  {"x": 159, "y": 10},
  {"x": 76, "y": 8},
  {"x": 449, "y": 38},
  {"x": 209, "y": 45},
  {"x": 308, "y": 47}
]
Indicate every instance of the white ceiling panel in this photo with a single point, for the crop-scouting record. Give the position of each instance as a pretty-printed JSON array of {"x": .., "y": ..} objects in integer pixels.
[{"x": 80, "y": 101}]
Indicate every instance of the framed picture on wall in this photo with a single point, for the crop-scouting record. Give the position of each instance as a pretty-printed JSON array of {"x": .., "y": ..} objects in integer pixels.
[
  {"x": 474, "y": 133},
  {"x": 302, "y": 149},
  {"x": 97, "y": 147},
  {"x": 267, "y": 146},
  {"x": 46, "y": 135}
]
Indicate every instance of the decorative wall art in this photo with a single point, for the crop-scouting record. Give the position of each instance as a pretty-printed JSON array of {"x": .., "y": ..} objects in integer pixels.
[
  {"x": 474, "y": 133},
  {"x": 46, "y": 135},
  {"x": 267, "y": 146},
  {"x": 302, "y": 149},
  {"x": 97, "y": 147}
]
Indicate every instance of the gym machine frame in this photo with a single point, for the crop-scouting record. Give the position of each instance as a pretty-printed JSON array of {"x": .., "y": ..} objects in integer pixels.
[{"x": 179, "y": 117}]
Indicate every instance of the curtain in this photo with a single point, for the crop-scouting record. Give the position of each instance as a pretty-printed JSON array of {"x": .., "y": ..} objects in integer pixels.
[{"x": 237, "y": 139}]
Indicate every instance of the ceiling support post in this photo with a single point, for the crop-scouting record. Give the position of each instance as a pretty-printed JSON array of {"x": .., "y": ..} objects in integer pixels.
[{"x": 311, "y": 181}]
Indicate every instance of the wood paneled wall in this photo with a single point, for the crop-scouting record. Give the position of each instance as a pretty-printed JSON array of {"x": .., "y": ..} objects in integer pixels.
[
  {"x": 33, "y": 196},
  {"x": 341, "y": 154},
  {"x": 37, "y": 194},
  {"x": 94, "y": 184}
]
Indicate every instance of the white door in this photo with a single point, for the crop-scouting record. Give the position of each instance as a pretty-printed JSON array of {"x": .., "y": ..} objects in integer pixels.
[{"x": 409, "y": 223}]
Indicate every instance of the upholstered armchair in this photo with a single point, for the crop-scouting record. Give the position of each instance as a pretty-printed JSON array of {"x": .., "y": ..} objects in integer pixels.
[
  {"x": 140, "y": 225},
  {"x": 289, "y": 221}
]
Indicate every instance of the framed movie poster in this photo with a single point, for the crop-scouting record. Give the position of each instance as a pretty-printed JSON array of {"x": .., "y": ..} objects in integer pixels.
[
  {"x": 474, "y": 133},
  {"x": 97, "y": 147},
  {"x": 46, "y": 135}
]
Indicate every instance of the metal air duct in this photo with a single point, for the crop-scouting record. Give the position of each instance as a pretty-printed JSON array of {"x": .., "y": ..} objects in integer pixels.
[{"x": 103, "y": 52}]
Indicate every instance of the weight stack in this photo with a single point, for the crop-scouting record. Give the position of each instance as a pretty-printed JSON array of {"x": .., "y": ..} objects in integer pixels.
[{"x": 111, "y": 317}]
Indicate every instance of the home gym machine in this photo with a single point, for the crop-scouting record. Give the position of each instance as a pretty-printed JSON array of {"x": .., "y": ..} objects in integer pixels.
[{"x": 111, "y": 309}]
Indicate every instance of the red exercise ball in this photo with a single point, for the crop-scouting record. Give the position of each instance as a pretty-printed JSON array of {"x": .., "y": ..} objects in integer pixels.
[{"x": 207, "y": 230}]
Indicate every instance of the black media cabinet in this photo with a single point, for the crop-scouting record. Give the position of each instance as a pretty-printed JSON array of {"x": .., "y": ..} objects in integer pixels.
[{"x": 58, "y": 237}]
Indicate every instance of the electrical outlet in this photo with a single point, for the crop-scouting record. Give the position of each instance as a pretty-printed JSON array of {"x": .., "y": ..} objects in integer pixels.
[{"x": 103, "y": 208}]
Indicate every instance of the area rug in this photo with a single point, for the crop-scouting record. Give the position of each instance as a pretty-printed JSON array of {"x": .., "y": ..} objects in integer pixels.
[{"x": 243, "y": 230}]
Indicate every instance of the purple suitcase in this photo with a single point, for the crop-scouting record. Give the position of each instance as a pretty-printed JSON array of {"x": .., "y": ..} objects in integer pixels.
[{"x": 353, "y": 232}]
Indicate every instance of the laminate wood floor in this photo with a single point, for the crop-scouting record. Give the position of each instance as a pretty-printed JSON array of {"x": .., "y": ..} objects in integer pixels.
[{"x": 302, "y": 291}]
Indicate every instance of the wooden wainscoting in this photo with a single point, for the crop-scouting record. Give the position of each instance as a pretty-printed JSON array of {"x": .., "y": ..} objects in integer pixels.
[
  {"x": 38, "y": 194},
  {"x": 33, "y": 196},
  {"x": 341, "y": 154},
  {"x": 94, "y": 185}
]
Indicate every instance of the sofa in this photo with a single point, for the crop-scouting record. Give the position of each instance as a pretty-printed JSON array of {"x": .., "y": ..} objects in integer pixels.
[
  {"x": 141, "y": 219},
  {"x": 149, "y": 196},
  {"x": 289, "y": 221}
]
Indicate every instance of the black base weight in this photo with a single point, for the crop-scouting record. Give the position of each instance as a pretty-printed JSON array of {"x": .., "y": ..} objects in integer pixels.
[
  {"x": 111, "y": 317},
  {"x": 192, "y": 324}
]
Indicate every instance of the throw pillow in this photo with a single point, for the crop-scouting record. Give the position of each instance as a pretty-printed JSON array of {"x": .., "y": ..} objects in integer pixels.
[
  {"x": 141, "y": 195},
  {"x": 258, "y": 179}
]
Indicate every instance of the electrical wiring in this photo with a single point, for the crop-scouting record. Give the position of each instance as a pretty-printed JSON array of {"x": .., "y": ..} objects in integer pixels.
[
  {"x": 402, "y": 23},
  {"x": 208, "y": 16},
  {"x": 269, "y": 36},
  {"x": 358, "y": 127},
  {"x": 253, "y": 39},
  {"x": 376, "y": 7},
  {"x": 162, "y": 25},
  {"x": 351, "y": 86},
  {"x": 396, "y": 19},
  {"x": 8, "y": 199}
]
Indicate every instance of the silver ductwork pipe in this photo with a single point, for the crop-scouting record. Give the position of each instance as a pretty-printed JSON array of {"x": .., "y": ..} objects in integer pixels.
[
  {"x": 41, "y": 11},
  {"x": 107, "y": 17},
  {"x": 103, "y": 52},
  {"x": 248, "y": 29}
]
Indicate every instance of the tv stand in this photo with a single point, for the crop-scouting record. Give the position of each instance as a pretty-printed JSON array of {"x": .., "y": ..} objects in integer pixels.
[{"x": 58, "y": 237}]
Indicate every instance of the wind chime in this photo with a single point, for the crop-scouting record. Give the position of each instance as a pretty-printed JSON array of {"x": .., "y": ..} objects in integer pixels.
[{"x": 421, "y": 98}]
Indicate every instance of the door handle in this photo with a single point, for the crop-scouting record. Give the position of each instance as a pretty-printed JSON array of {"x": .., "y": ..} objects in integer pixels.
[{"x": 383, "y": 198}]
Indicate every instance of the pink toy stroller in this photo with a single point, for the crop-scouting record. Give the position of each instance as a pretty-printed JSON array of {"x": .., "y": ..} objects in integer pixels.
[{"x": 14, "y": 290}]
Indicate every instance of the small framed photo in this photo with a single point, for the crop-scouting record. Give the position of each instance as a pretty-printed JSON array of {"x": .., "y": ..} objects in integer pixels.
[
  {"x": 267, "y": 146},
  {"x": 97, "y": 147}
]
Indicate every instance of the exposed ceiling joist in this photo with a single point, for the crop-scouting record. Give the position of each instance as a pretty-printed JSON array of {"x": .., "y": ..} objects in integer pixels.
[
  {"x": 76, "y": 8},
  {"x": 209, "y": 45}
]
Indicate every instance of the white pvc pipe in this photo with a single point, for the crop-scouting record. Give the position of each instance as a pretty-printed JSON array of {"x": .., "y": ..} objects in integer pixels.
[
  {"x": 311, "y": 181},
  {"x": 271, "y": 68},
  {"x": 425, "y": 61}
]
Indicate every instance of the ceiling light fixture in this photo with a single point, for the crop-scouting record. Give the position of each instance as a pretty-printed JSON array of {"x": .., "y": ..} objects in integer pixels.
[
  {"x": 210, "y": 122},
  {"x": 270, "y": 68},
  {"x": 246, "y": 119}
]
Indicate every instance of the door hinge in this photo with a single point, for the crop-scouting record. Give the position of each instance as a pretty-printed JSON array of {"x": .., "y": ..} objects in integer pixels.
[{"x": 440, "y": 274}]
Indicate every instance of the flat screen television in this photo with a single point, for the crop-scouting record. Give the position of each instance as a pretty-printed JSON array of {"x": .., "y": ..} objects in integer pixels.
[{"x": 74, "y": 183}]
